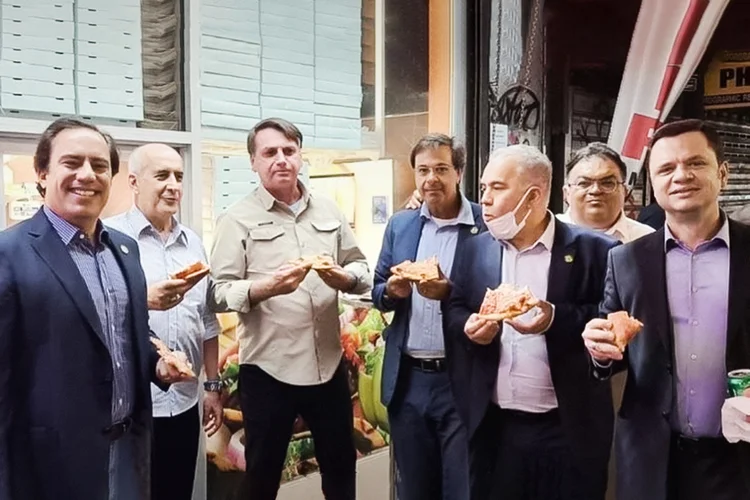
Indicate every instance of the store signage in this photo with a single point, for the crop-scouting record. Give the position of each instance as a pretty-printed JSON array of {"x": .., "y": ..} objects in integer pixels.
[
  {"x": 19, "y": 210},
  {"x": 727, "y": 81}
]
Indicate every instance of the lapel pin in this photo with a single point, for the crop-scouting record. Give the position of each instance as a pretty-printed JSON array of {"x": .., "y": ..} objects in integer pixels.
[
  {"x": 474, "y": 230},
  {"x": 124, "y": 249},
  {"x": 568, "y": 258}
]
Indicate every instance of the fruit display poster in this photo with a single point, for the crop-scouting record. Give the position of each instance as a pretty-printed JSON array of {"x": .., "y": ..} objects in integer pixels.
[{"x": 361, "y": 329}]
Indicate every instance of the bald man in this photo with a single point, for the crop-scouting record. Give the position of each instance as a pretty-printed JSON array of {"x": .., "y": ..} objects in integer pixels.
[
  {"x": 539, "y": 429},
  {"x": 178, "y": 315}
]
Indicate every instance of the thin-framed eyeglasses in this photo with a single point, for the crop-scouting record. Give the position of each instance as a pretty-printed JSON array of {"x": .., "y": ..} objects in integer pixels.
[{"x": 608, "y": 185}]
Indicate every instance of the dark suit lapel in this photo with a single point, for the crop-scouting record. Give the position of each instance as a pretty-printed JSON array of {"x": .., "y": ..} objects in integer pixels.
[
  {"x": 562, "y": 259},
  {"x": 739, "y": 271},
  {"x": 654, "y": 261},
  {"x": 47, "y": 243}
]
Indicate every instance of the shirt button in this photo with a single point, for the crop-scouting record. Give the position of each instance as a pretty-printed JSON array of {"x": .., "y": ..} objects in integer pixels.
[
  {"x": 695, "y": 289},
  {"x": 692, "y": 392},
  {"x": 695, "y": 322},
  {"x": 693, "y": 357}
]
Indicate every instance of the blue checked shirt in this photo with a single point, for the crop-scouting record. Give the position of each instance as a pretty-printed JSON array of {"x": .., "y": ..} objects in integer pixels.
[
  {"x": 439, "y": 238},
  {"x": 106, "y": 284}
]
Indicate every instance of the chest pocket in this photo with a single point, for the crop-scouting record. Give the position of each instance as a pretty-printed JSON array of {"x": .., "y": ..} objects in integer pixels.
[
  {"x": 324, "y": 238},
  {"x": 264, "y": 252}
]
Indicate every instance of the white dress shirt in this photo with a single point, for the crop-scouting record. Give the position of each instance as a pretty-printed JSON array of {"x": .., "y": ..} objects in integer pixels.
[
  {"x": 186, "y": 326},
  {"x": 524, "y": 380},
  {"x": 624, "y": 230}
]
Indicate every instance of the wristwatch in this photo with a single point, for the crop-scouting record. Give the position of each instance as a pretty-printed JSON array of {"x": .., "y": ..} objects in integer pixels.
[{"x": 212, "y": 385}]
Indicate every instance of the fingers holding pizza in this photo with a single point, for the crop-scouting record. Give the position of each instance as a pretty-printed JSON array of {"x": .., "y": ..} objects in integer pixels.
[
  {"x": 606, "y": 339},
  {"x": 481, "y": 330},
  {"x": 507, "y": 302},
  {"x": 429, "y": 279}
]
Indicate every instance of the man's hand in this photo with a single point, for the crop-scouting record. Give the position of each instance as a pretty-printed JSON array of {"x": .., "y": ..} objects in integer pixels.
[
  {"x": 415, "y": 201},
  {"x": 600, "y": 341},
  {"x": 338, "y": 278},
  {"x": 397, "y": 287},
  {"x": 168, "y": 374},
  {"x": 167, "y": 294},
  {"x": 435, "y": 289},
  {"x": 213, "y": 413},
  {"x": 481, "y": 331},
  {"x": 540, "y": 323}
]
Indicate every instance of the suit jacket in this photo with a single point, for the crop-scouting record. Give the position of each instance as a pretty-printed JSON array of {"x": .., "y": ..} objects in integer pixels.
[
  {"x": 575, "y": 284},
  {"x": 400, "y": 243},
  {"x": 637, "y": 282},
  {"x": 56, "y": 371}
]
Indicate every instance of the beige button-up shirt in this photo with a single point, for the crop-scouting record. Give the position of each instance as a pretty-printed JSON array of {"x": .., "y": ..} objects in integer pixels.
[
  {"x": 624, "y": 230},
  {"x": 295, "y": 338}
]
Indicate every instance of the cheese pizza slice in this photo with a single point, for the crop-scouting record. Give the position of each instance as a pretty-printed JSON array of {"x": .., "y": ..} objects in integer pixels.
[
  {"x": 177, "y": 359},
  {"x": 506, "y": 302},
  {"x": 625, "y": 327},
  {"x": 315, "y": 262},
  {"x": 192, "y": 271},
  {"x": 425, "y": 270}
]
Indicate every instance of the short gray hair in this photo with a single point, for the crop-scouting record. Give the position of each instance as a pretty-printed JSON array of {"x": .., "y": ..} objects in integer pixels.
[
  {"x": 530, "y": 160},
  {"x": 136, "y": 159}
]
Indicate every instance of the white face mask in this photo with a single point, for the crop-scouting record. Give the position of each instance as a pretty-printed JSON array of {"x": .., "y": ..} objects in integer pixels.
[{"x": 505, "y": 227}]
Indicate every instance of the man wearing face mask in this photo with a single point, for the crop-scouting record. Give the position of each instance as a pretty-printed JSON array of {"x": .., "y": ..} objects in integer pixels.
[
  {"x": 539, "y": 429},
  {"x": 178, "y": 315}
]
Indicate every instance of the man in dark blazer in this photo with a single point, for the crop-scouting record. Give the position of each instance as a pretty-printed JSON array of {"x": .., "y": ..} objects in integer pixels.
[
  {"x": 688, "y": 284},
  {"x": 429, "y": 439},
  {"x": 75, "y": 357},
  {"x": 539, "y": 428}
]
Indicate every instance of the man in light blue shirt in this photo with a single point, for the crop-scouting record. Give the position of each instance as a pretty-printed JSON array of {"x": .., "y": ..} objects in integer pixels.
[
  {"x": 178, "y": 315},
  {"x": 429, "y": 439}
]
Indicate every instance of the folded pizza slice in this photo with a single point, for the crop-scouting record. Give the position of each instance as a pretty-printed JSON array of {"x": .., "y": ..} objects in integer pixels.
[
  {"x": 320, "y": 261},
  {"x": 506, "y": 302},
  {"x": 177, "y": 359},
  {"x": 191, "y": 271},
  {"x": 625, "y": 327},
  {"x": 424, "y": 270}
]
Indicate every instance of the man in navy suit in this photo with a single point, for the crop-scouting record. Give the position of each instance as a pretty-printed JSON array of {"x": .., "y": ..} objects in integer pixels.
[
  {"x": 75, "y": 357},
  {"x": 429, "y": 439},
  {"x": 539, "y": 428},
  {"x": 688, "y": 284}
]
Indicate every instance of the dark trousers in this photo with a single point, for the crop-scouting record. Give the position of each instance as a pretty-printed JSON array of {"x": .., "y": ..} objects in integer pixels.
[
  {"x": 430, "y": 442},
  {"x": 705, "y": 469},
  {"x": 526, "y": 456},
  {"x": 269, "y": 409},
  {"x": 173, "y": 455}
]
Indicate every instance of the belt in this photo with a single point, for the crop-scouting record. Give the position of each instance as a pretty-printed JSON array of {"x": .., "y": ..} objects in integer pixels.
[
  {"x": 527, "y": 416},
  {"x": 699, "y": 444},
  {"x": 434, "y": 365},
  {"x": 118, "y": 429}
]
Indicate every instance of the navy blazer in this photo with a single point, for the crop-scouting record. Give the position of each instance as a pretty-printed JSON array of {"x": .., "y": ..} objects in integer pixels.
[
  {"x": 637, "y": 282},
  {"x": 400, "y": 243},
  {"x": 56, "y": 372},
  {"x": 575, "y": 285}
]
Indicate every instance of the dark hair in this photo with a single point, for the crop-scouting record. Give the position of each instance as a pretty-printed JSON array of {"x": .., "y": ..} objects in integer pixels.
[
  {"x": 597, "y": 150},
  {"x": 286, "y": 127},
  {"x": 43, "y": 152},
  {"x": 435, "y": 141},
  {"x": 679, "y": 127}
]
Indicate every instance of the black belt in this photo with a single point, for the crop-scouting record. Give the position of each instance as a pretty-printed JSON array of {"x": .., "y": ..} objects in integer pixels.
[
  {"x": 527, "y": 416},
  {"x": 118, "y": 429},
  {"x": 699, "y": 445},
  {"x": 428, "y": 365}
]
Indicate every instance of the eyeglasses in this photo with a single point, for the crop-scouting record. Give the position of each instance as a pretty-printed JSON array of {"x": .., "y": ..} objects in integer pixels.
[{"x": 605, "y": 185}]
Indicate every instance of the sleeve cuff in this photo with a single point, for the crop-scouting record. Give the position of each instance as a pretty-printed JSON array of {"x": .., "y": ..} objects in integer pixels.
[
  {"x": 552, "y": 319},
  {"x": 238, "y": 296},
  {"x": 362, "y": 274},
  {"x": 603, "y": 366}
]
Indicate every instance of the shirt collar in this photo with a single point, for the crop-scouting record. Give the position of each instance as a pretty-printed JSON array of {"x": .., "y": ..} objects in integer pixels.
[
  {"x": 620, "y": 226},
  {"x": 139, "y": 222},
  {"x": 465, "y": 213},
  {"x": 722, "y": 235},
  {"x": 68, "y": 232},
  {"x": 268, "y": 200}
]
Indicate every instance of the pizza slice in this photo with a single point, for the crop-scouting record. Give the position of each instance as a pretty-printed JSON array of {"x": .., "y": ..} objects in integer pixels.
[
  {"x": 192, "y": 271},
  {"x": 425, "y": 270},
  {"x": 625, "y": 327},
  {"x": 506, "y": 301},
  {"x": 177, "y": 359},
  {"x": 317, "y": 262}
]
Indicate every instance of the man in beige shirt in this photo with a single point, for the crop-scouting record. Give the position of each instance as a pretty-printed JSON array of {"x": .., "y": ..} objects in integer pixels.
[{"x": 290, "y": 355}]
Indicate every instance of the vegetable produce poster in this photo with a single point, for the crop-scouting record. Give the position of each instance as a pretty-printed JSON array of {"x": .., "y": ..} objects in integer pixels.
[{"x": 362, "y": 342}]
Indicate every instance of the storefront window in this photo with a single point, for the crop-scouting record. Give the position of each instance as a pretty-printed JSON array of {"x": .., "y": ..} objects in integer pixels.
[
  {"x": 318, "y": 64},
  {"x": 111, "y": 63}
]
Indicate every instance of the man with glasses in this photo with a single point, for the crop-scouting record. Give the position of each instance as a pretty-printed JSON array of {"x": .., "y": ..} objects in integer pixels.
[
  {"x": 595, "y": 193},
  {"x": 430, "y": 441}
]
